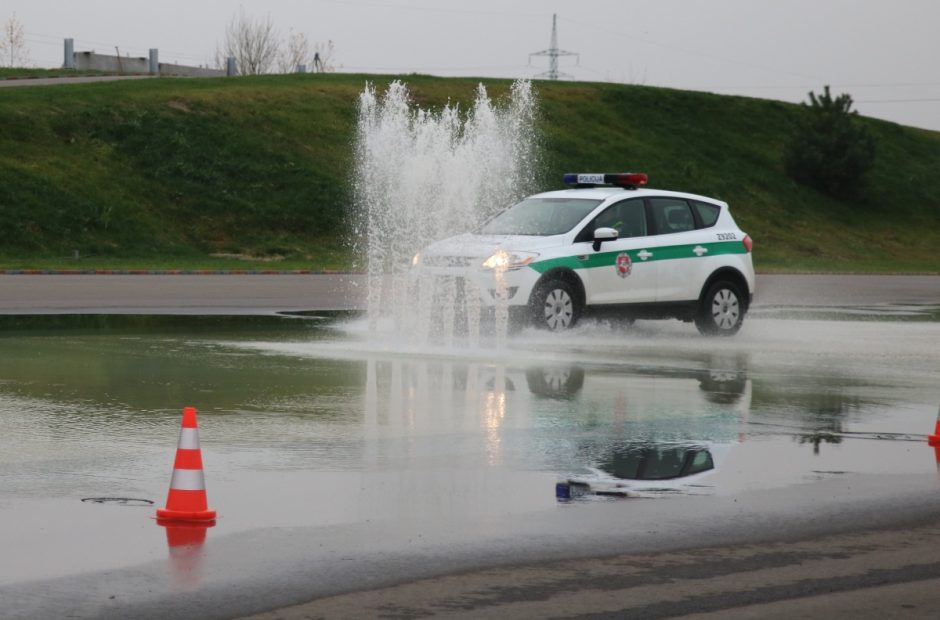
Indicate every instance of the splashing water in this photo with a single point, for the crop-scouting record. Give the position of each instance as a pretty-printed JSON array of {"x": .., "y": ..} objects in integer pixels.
[{"x": 423, "y": 175}]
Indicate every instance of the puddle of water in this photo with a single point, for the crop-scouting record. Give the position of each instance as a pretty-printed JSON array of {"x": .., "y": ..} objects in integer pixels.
[{"x": 304, "y": 423}]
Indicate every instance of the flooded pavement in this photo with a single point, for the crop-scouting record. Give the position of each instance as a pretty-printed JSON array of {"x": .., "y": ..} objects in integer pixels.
[{"x": 339, "y": 461}]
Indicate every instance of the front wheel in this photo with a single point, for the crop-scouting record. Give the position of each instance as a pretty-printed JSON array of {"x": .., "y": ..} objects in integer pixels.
[
  {"x": 721, "y": 310},
  {"x": 554, "y": 306}
]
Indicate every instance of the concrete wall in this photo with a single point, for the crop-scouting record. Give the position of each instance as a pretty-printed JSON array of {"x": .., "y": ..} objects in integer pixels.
[
  {"x": 91, "y": 61},
  {"x": 171, "y": 69}
]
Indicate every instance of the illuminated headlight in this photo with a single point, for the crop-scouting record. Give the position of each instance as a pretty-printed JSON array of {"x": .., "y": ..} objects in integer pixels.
[
  {"x": 502, "y": 260},
  {"x": 416, "y": 260}
]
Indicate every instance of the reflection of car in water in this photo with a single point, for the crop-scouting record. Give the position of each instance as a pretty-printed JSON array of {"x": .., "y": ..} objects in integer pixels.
[
  {"x": 557, "y": 381},
  {"x": 644, "y": 467},
  {"x": 671, "y": 423},
  {"x": 723, "y": 380},
  {"x": 657, "y": 422},
  {"x": 657, "y": 462}
]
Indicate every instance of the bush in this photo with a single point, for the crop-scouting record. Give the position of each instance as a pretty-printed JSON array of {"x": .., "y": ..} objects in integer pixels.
[{"x": 829, "y": 149}]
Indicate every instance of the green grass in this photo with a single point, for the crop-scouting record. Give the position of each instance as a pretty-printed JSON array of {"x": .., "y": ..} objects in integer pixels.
[
  {"x": 167, "y": 173},
  {"x": 328, "y": 254}
]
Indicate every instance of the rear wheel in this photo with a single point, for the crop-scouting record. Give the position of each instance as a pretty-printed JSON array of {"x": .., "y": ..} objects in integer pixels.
[
  {"x": 721, "y": 310},
  {"x": 554, "y": 305},
  {"x": 555, "y": 382}
]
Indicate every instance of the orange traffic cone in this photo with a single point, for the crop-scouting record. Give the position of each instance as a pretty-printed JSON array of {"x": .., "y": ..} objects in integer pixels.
[
  {"x": 187, "y": 498},
  {"x": 934, "y": 439}
]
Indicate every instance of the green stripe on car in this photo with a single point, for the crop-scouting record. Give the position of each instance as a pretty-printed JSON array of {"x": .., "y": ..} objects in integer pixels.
[{"x": 642, "y": 255}]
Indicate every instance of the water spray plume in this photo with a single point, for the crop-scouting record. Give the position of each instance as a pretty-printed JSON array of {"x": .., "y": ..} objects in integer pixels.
[{"x": 423, "y": 175}]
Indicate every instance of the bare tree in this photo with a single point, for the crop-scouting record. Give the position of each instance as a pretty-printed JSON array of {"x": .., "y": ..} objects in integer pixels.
[
  {"x": 253, "y": 42},
  {"x": 296, "y": 52},
  {"x": 13, "y": 50}
]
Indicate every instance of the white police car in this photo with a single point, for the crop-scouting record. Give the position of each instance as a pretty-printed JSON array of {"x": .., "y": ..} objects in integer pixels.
[{"x": 617, "y": 251}]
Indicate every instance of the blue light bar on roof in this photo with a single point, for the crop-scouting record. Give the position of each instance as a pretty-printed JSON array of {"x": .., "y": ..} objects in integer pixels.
[{"x": 620, "y": 179}]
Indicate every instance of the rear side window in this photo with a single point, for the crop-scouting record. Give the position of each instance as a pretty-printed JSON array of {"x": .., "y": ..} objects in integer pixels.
[
  {"x": 672, "y": 215},
  {"x": 707, "y": 214}
]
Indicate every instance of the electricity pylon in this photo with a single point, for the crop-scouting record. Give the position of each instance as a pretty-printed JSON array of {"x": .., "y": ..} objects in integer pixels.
[{"x": 553, "y": 53}]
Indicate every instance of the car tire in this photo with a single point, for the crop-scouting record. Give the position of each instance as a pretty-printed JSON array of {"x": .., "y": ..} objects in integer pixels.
[
  {"x": 554, "y": 305},
  {"x": 555, "y": 382},
  {"x": 721, "y": 310}
]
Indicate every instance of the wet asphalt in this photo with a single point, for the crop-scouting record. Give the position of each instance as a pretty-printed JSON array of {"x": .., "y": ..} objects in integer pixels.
[
  {"x": 253, "y": 294},
  {"x": 792, "y": 544}
]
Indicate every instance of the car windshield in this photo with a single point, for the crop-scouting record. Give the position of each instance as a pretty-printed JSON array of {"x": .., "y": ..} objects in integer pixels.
[{"x": 540, "y": 216}]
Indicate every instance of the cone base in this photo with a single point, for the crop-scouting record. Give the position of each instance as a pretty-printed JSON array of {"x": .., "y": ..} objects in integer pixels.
[
  {"x": 186, "y": 525},
  {"x": 181, "y": 515}
]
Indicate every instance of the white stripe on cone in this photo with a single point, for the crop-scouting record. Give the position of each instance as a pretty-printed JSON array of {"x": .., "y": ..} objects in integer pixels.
[
  {"x": 189, "y": 439},
  {"x": 188, "y": 480}
]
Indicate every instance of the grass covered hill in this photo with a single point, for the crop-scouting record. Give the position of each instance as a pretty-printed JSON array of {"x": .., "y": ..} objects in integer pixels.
[{"x": 183, "y": 172}]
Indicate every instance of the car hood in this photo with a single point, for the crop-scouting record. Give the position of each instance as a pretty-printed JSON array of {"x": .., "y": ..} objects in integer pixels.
[{"x": 474, "y": 246}]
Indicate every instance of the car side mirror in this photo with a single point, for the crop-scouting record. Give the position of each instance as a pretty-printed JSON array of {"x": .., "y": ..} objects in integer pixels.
[{"x": 604, "y": 234}]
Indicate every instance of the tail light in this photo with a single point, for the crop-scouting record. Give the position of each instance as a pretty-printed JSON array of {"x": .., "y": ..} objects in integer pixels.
[{"x": 748, "y": 243}]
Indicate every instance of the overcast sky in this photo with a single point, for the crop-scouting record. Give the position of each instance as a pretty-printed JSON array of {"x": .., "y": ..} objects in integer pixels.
[{"x": 885, "y": 54}]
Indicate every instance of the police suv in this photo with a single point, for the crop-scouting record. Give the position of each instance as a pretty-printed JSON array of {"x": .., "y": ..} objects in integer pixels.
[{"x": 606, "y": 247}]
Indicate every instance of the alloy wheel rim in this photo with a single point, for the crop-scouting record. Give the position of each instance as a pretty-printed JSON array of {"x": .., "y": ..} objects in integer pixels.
[
  {"x": 725, "y": 309},
  {"x": 559, "y": 309}
]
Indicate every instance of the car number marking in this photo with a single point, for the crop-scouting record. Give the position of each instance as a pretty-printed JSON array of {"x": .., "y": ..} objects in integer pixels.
[{"x": 727, "y": 236}]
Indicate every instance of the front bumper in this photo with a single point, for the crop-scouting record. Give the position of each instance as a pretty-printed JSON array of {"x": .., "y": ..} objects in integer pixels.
[{"x": 512, "y": 287}]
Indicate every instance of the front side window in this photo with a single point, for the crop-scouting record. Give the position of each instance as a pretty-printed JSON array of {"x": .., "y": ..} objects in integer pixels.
[
  {"x": 672, "y": 215},
  {"x": 540, "y": 217},
  {"x": 627, "y": 216}
]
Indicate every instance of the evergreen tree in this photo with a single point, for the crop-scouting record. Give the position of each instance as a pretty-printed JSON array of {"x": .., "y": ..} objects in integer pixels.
[{"x": 829, "y": 149}]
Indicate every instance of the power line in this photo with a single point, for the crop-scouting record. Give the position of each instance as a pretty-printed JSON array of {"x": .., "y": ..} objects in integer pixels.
[
  {"x": 49, "y": 43},
  {"x": 426, "y": 9},
  {"x": 899, "y": 100},
  {"x": 141, "y": 51},
  {"x": 44, "y": 36},
  {"x": 419, "y": 69},
  {"x": 834, "y": 85},
  {"x": 594, "y": 29}
]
